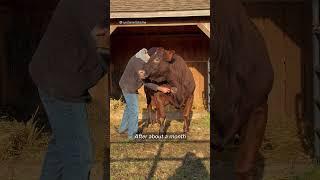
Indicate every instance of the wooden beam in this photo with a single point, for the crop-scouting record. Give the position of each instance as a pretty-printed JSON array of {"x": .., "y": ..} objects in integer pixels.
[
  {"x": 155, "y": 24},
  {"x": 112, "y": 28},
  {"x": 205, "y": 27},
  {"x": 190, "y": 13}
]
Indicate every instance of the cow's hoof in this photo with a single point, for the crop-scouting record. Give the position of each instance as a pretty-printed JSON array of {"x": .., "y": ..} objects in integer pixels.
[
  {"x": 146, "y": 124},
  {"x": 161, "y": 131},
  {"x": 185, "y": 129}
]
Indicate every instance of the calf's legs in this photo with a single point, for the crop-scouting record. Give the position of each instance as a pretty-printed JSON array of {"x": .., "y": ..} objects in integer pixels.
[
  {"x": 250, "y": 141},
  {"x": 150, "y": 119}
]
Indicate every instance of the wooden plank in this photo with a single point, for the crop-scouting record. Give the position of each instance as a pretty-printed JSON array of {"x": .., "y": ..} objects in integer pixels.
[
  {"x": 204, "y": 26},
  {"x": 156, "y": 24},
  {"x": 191, "y": 13}
]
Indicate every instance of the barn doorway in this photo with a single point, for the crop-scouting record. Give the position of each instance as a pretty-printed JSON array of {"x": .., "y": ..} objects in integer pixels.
[{"x": 188, "y": 41}]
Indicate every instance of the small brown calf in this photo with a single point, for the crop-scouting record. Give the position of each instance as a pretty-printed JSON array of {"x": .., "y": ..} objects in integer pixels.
[{"x": 158, "y": 101}]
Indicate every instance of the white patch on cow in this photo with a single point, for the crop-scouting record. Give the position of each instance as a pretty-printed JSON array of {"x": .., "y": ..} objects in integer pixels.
[{"x": 143, "y": 55}]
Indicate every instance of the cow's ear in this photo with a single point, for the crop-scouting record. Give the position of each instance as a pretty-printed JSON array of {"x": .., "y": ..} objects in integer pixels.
[{"x": 170, "y": 54}]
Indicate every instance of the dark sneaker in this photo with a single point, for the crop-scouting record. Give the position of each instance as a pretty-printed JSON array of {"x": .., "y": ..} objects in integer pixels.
[{"x": 118, "y": 131}]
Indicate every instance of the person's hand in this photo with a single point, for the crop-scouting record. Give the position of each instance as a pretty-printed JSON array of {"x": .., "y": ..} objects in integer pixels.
[
  {"x": 142, "y": 74},
  {"x": 164, "y": 89}
]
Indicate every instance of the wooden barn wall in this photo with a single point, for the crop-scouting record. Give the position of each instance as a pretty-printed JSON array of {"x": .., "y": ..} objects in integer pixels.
[
  {"x": 191, "y": 47},
  {"x": 282, "y": 25}
]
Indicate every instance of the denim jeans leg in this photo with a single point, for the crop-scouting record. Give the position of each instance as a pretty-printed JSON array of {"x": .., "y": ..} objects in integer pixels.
[
  {"x": 52, "y": 165},
  {"x": 70, "y": 152},
  {"x": 133, "y": 112},
  {"x": 124, "y": 122}
]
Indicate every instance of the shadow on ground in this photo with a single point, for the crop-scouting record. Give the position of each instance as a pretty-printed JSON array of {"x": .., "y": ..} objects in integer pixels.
[
  {"x": 223, "y": 163},
  {"x": 193, "y": 166}
]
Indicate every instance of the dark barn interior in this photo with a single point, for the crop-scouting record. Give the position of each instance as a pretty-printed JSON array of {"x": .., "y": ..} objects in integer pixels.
[
  {"x": 22, "y": 26},
  {"x": 286, "y": 28}
]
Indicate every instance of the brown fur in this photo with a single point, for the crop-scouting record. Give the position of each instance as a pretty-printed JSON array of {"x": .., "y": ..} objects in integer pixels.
[
  {"x": 158, "y": 101},
  {"x": 243, "y": 77},
  {"x": 165, "y": 65}
]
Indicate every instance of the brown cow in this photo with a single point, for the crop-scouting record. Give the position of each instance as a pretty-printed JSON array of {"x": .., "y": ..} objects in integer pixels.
[
  {"x": 243, "y": 79},
  {"x": 165, "y": 65}
]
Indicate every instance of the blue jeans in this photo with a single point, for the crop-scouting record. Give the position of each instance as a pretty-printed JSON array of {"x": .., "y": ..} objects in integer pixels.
[
  {"x": 69, "y": 154},
  {"x": 130, "y": 115}
]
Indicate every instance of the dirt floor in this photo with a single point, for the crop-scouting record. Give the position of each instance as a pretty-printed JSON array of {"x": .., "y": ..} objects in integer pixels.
[
  {"x": 21, "y": 158},
  {"x": 176, "y": 158}
]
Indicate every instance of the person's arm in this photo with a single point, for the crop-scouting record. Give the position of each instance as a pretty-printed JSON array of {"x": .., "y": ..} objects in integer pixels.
[
  {"x": 151, "y": 86},
  {"x": 156, "y": 87}
]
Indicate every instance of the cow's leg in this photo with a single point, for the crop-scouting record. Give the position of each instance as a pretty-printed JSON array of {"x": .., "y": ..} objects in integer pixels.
[
  {"x": 186, "y": 114},
  {"x": 161, "y": 112},
  {"x": 157, "y": 116},
  {"x": 149, "y": 104},
  {"x": 250, "y": 141},
  {"x": 150, "y": 120}
]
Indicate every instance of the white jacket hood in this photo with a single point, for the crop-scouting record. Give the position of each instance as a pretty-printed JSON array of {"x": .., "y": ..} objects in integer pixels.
[{"x": 143, "y": 55}]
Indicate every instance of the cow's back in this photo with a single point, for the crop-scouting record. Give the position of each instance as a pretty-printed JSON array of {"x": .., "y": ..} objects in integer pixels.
[{"x": 180, "y": 72}]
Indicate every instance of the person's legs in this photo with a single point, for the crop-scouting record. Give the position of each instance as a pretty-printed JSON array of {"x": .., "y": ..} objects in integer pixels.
[
  {"x": 52, "y": 166},
  {"x": 132, "y": 112},
  {"x": 69, "y": 154},
  {"x": 124, "y": 122}
]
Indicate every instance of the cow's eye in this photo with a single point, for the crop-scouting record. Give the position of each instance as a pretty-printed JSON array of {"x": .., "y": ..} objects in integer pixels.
[{"x": 156, "y": 60}]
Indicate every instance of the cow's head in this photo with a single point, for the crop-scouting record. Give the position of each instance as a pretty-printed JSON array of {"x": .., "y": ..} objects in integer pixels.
[{"x": 158, "y": 66}]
